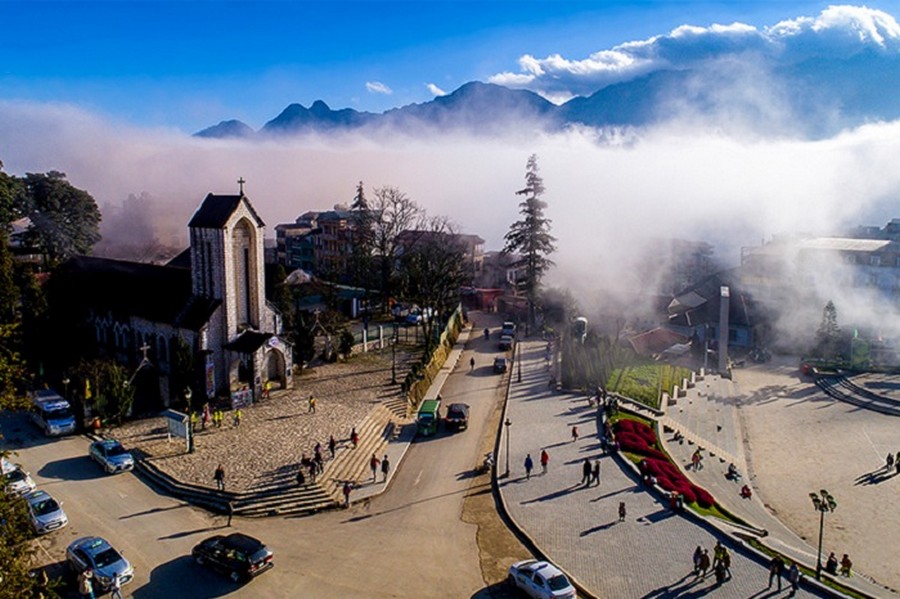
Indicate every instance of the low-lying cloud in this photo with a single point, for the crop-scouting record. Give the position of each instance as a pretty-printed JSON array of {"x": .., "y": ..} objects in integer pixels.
[
  {"x": 837, "y": 32},
  {"x": 607, "y": 191}
]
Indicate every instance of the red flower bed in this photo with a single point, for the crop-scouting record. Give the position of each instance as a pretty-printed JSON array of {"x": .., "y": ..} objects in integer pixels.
[{"x": 638, "y": 438}]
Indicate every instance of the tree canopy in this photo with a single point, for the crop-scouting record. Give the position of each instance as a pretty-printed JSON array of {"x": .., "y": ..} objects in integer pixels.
[
  {"x": 65, "y": 220},
  {"x": 530, "y": 237}
]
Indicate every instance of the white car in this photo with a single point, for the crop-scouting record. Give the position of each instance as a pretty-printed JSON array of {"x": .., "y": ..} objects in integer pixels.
[
  {"x": 541, "y": 580},
  {"x": 46, "y": 513},
  {"x": 17, "y": 481},
  {"x": 110, "y": 454}
]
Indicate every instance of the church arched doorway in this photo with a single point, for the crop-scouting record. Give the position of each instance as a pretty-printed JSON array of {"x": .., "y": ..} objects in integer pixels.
[{"x": 275, "y": 369}]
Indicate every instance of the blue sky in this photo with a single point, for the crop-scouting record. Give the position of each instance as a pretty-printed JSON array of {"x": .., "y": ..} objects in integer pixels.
[{"x": 188, "y": 65}]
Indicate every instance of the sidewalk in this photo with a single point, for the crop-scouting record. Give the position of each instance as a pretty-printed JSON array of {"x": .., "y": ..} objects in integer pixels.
[{"x": 647, "y": 555}]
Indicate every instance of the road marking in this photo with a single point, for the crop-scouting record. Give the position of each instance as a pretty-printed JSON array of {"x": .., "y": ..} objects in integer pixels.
[
  {"x": 418, "y": 478},
  {"x": 869, "y": 439}
]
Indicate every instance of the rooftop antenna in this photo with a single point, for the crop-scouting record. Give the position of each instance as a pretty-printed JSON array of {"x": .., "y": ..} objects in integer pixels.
[{"x": 241, "y": 183}]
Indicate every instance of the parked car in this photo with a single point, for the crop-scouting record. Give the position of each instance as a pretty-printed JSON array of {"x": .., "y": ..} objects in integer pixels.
[
  {"x": 239, "y": 556},
  {"x": 110, "y": 454},
  {"x": 17, "y": 481},
  {"x": 96, "y": 553},
  {"x": 46, "y": 514},
  {"x": 506, "y": 342},
  {"x": 6, "y": 465},
  {"x": 457, "y": 415},
  {"x": 508, "y": 328},
  {"x": 541, "y": 580},
  {"x": 500, "y": 365},
  {"x": 416, "y": 316}
]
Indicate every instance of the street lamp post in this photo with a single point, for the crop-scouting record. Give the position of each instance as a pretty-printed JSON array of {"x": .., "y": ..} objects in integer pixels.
[
  {"x": 507, "y": 424},
  {"x": 394, "y": 339},
  {"x": 518, "y": 362},
  {"x": 190, "y": 425},
  {"x": 65, "y": 383},
  {"x": 822, "y": 502}
]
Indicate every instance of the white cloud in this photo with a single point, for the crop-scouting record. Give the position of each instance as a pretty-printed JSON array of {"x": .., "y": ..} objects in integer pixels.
[
  {"x": 377, "y": 87},
  {"x": 434, "y": 90},
  {"x": 836, "y": 31}
]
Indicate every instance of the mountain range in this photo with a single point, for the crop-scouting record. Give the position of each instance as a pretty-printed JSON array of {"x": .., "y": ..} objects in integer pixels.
[{"x": 814, "y": 99}]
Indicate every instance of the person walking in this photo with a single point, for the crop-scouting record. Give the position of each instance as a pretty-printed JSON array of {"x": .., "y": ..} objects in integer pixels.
[
  {"x": 332, "y": 445},
  {"x": 574, "y": 434},
  {"x": 373, "y": 465},
  {"x": 487, "y": 333},
  {"x": 726, "y": 561},
  {"x": 346, "y": 490},
  {"x": 698, "y": 553},
  {"x": 229, "y": 507},
  {"x": 595, "y": 472},
  {"x": 301, "y": 478},
  {"x": 586, "y": 472},
  {"x": 622, "y": 512},
  {"x": 471, "y": 363},
  {"x": 238, "y": 414},
  {"x": 696, "y": 460},
  {"x": 354, "y": 437},
  {"x": 385, "y": 467},
  {"x": 776, "y": 568},
  {"x": 219, "y": 477},
  {"x": 846, "y": 565},
  {"x": 704, "y": 563},
  {"x": 529, "y": 466},
  {"x": 86, "y": 584},
  {"x": 831, "y": 566},
  {"x": 545, "y": 459},
  {"x": 793, "y": 577},
  {"x": 717, "y": 553},
  {"x": 204, "y": 420},
  {"x": 889, "y": 462},
  {"x": 312, "y": 405},
  {"x": 115, "y": 587}
]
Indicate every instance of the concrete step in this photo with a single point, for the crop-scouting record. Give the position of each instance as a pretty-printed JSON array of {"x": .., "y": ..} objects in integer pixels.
[{"x": 353, "y": 464}]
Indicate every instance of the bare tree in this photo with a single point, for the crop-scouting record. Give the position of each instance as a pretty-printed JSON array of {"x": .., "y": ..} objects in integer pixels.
[
  {"x": 432, "y": 271},
  {"x": 392, "y": 213}
]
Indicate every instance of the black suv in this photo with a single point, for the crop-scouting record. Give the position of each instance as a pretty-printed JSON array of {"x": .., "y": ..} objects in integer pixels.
[
  {"x": 458, "y": 415},
  {"x": 239, "y": 556}
]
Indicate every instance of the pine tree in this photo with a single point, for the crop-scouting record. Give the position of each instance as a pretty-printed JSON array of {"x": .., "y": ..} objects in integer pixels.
[
  {"x": 530, "y": 237},
  {"x": 829, "y": 333}
]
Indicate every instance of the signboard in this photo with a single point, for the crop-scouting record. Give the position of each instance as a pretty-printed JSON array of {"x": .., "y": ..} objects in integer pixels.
[
  {"x": 241, "y": 398},
  {"x": 177, "y": 424},
  {"x": 210, "y": 376}
]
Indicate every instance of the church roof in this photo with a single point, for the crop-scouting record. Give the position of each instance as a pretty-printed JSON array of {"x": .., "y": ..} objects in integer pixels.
[
  {"x": 155, "y": 293},
  {"x": 215, "y": 211},
  {"x": 248, "y": 342}
]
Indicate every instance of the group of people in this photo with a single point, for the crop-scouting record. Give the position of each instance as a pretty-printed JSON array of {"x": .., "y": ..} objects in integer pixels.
[
  {"x": 778, "y": 569},
  {"x": 892, "y": 462},
  {"x": 214, "y": 417},
  {"x": 720, "y": 564},
  {"x": 529, "y": 463},
  {"x": 86, "y": 585},
  {"x": 310, "y": 467},
  {"x": 831, "y": 565}
]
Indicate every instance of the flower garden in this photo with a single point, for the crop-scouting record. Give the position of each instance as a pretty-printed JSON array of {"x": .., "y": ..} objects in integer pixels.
[{"x": 636, "y": 437}]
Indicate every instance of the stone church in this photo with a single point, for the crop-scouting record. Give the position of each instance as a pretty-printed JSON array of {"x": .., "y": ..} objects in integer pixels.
[{"x": 210, "y": 298}]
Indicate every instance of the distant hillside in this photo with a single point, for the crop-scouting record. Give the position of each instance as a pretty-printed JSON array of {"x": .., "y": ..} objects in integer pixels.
[{"x": 814, "y": 98}]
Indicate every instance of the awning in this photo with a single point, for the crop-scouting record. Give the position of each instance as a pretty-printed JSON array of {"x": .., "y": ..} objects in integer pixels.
[{"x": 248, "y": 342}]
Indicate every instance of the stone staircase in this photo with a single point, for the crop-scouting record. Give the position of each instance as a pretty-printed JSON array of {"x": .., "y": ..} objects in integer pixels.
[{"x": 282, "y": 496}]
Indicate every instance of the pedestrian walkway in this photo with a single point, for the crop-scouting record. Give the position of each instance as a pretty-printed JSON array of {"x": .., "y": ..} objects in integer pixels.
[
  {"x": 698, "y": 416},
  {"x": 649, "y": 554}
]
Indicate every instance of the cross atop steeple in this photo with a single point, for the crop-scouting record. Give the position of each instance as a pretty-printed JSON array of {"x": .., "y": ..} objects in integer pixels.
[{"x": 241, "y": 182}]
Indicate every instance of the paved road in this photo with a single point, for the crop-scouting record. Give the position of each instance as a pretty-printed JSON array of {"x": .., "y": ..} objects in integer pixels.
[{"x": 408, "y": 542}]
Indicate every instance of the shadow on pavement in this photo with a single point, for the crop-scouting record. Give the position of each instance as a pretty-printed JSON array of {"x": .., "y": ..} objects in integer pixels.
[
  {"x": 588, "y": 531},
  {"x": 77, "y": 468},
  {"x": 181, "y": 577},
  {"x": 685, "y": 588},
  {"x": 154, "y": 510},
  {"x": 555, "y": 494},
  {"x": 187, "y": 533},
  {"x": 498, "y": 590}
]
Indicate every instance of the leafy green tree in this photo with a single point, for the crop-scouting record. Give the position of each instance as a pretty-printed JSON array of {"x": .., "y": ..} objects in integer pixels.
[
  {"x": 828, "y": 335},
  {"x": 360, "y": 267},
  {"x": 303, "y": 336},
  {"x": 9, "y": 291},
  {"x": 65, "y": 220},
  {"x": 11, "y": 194},
  {"x": 34, "y": 315},
  {"x": 113, "y": 396},
  {"x": 345, "y": 343},
  {"x": 283, "y": 298},
  {"x": 530, "y": 237}
]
